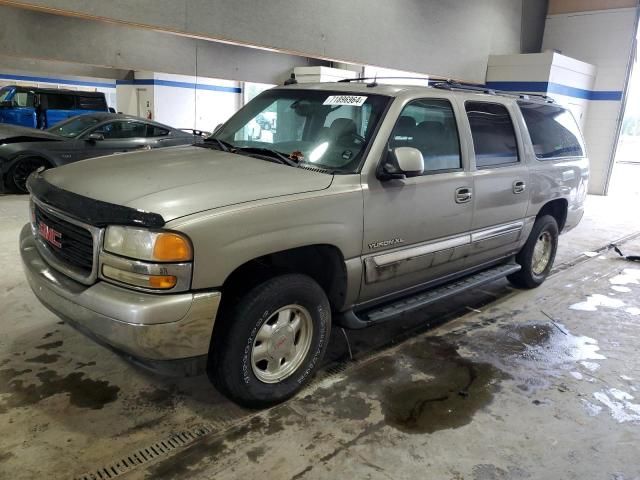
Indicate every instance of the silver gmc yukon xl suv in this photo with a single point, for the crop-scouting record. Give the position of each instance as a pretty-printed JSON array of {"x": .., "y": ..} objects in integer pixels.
[{"x": 358, "y": 203}]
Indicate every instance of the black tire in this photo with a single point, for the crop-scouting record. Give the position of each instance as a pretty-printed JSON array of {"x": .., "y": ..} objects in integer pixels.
[
  {"x": 231, "y": 367},
  {"x": 530, "y": 276},
  {"x": 20, "y": 171}
]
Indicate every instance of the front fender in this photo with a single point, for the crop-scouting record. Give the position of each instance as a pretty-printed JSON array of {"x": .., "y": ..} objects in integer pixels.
[{"x": 226, "y": 238}]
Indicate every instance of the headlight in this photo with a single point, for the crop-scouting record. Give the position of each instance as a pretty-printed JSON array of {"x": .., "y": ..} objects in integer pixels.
[{"x": 148, "y": 245}]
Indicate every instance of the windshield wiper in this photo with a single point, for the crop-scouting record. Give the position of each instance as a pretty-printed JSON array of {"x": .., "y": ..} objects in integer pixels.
[
  {"x": 224, "y": 146},
  {"x": 267, "y": 152}
]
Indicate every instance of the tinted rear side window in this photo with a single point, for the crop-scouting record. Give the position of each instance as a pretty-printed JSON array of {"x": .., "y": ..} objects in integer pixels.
[
  {"x": 494, "y": 139},
  {"x": 553, "y": 131},
  {"x": 55, "y": 101},
  {"x": 153, "y": 131},
  {"x": 92, "y": 103}
]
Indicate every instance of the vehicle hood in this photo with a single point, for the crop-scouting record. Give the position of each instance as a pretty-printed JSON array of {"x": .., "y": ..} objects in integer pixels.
[
  {"x": 179, "y": 181},
  {"x": 17, "y": 134}
]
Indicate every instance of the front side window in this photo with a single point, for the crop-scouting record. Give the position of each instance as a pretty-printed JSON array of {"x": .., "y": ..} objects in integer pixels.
[
  {"x": 553, "y": 130},
  {"x": 430, "y": 126},
  {"x": 329, "y": 130},
  {"x": 74, "y": 126},
  {"x": 122, "y": 129},
  {"x": 23, "y": 99},
  {"x": 494, "y": 139}
]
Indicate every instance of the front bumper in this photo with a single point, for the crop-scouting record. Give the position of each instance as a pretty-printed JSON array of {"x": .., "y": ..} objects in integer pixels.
[{"x": 150, "y": 327}]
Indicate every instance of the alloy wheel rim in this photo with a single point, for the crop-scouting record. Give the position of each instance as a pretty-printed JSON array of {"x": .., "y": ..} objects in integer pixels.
[
  {"x": 541, "y": 253},
  {"x": 281, "y": 344},
  {"x": 22, "y": 171}
]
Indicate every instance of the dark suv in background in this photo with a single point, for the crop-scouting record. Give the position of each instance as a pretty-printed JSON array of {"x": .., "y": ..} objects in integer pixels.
[{"x": 44, "y": 107}]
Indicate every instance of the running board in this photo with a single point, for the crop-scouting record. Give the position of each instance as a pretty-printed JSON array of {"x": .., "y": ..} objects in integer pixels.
[{"x": 389, "y": 311}]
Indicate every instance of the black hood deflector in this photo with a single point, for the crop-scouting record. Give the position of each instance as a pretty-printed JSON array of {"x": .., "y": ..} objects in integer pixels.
[{"x": 88, "y": 210}]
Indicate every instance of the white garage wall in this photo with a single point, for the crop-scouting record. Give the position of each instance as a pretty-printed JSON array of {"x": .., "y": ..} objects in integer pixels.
[
  {"x": 603, "y": 38},
  {"x": 181, "y": 101}
]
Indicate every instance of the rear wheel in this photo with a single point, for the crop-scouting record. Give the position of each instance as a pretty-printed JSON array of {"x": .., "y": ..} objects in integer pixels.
[
  {"x": 271, "y": 342},
  {"x": 537, "y": 255},
  {"x": 20, "y": 171}
]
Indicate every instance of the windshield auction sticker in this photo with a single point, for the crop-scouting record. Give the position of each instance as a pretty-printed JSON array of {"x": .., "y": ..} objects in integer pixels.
[{"x": 353, "y": 100}]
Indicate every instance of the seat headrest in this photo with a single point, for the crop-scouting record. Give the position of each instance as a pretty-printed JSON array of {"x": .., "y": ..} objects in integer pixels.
[
  {"x": 431, "y": 128},
  {"x": 405, "y": 126},
  {"x": 343, "y": 126}
]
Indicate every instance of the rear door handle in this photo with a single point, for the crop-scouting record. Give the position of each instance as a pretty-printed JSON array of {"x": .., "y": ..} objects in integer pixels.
[
  {"x": 519, "y": 186},
  {"x": 463, "y": 194}
]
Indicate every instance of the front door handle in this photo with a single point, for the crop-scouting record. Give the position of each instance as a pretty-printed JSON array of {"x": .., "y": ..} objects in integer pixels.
[
  {"x": 463, "y": 194},
  {"x": 519, "y": 186}
]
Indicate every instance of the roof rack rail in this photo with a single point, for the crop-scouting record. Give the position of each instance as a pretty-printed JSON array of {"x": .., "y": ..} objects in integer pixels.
[
  {"x": 362, "y": 79},
  {"x": 455, "y": 85},
  {"x": 452, "y": 84}
]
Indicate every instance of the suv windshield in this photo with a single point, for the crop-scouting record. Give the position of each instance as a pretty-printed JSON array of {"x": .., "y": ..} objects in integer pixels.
[
  {"x": 73, "y": 127},
  {"x": 328, "y": 130}
]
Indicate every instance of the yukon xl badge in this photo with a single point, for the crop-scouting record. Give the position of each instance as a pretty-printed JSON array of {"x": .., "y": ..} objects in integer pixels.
[{"x": 385, "y": 243}]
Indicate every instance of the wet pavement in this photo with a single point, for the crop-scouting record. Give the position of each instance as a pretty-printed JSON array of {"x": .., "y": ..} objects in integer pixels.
[{"x": 498, "y": 384}]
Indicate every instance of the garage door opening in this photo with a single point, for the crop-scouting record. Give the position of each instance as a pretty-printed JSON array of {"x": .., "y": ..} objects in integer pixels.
[{"x": 625, "y": 180}]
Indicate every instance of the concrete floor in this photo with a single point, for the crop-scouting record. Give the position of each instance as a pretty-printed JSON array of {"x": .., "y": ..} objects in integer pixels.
[{"x": 497, "y": 384}]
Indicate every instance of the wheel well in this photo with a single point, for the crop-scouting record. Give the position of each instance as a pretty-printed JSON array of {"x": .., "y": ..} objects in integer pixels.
[
  {"x": 323, "y": 263},
  {"x": 557, "y": 209},
  {"x": 20, "y": 157}
]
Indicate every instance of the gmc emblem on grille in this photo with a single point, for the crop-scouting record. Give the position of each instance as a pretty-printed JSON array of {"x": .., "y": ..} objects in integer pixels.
[{"x": 50, "y": 235}]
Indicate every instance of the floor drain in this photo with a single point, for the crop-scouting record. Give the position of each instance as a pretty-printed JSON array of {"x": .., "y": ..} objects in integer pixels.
[{"x": 147, "y": 454}]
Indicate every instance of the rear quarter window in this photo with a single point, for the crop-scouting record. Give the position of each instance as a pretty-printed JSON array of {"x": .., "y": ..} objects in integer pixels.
[
  {"x": 92, "y": 103},
  {"x": 553, "y": 130}
]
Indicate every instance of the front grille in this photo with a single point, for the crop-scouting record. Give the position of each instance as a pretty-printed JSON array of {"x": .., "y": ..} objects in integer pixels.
[{"x": 76, "y": 242}]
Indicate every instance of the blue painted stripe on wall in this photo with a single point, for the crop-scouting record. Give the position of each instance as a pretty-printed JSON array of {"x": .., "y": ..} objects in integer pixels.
[
  {"x": 557, "y": 88},
  {"x": 81, "y": 83},
  {"x": 170, "y": 83}
]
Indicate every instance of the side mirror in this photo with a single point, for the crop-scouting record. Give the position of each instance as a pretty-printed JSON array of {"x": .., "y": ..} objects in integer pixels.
[
  {"x": 218, "y": 127},
  {"x": 94, "y": 137},
  {"x": 6, "y": 103},
  {"x": 403, "y": 162}
]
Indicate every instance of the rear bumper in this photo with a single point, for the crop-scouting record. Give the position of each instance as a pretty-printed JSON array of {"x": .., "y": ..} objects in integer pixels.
[{"x": 152, "y": 328}]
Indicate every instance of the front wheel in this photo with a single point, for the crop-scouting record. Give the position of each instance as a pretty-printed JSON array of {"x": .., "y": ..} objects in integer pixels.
[
  {"x": 20, "y": 171},
  {"x": 537, "y": 255},
  {"x": 271, "y": 342}
]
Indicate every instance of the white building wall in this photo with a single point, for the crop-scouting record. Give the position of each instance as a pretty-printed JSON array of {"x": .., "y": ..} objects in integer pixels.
[
  {"x": 603, "y": 38},
  {"x": 181, "y": 101},
  {"x": 567, "y": 80},
  {"x": 185, "y": 101}
]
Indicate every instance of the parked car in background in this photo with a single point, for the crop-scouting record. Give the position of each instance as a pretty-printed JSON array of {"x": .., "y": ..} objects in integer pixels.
[
  {"x": 44, "y": 107},
  {"x": 24, "y": 150}
]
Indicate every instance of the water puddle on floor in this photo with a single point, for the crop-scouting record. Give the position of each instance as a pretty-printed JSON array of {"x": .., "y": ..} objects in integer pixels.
[
  {"x": 448, "y": 392},
  {"x": 592, "y": 303},
  {"x": 620, "y": 405},
  {"x": 429, "y": 386},
  {"x": 628, "y": 276}
]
